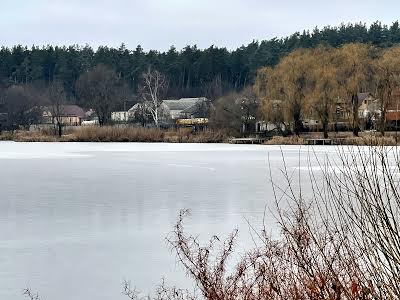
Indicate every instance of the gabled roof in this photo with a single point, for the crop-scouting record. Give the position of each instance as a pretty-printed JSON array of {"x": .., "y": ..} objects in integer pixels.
[
  {"x": 69, "y": 110},
  {"x": 147, "y": 104},
  {"x": 73, "y": 111},
  {"x": 183, "y": 103},
  {"x": 133, "y": 108},
  {"x": 363, "y": 96}
]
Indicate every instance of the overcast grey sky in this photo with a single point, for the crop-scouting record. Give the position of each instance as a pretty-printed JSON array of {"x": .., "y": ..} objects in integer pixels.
[{"x": 157, "y": 24}]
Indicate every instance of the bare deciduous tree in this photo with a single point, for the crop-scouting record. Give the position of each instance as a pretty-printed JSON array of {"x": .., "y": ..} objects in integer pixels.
[
  {"x": 387, "y": 78},
  {"x": 57, "y": 98},
  {"x": 153, "y": 88},
  {"x": 100, "y": 88}
]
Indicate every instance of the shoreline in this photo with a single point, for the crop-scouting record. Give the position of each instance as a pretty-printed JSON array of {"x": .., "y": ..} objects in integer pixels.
[{"x": 153, "y": 135}]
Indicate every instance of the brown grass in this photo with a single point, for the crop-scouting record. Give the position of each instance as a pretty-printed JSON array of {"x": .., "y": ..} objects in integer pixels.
[
  {"x": 363, "y": 140},
  {"x": 118, "y": 134},
  {"x": 367, "y": 141},
  {"x": 290, "y": 140}
]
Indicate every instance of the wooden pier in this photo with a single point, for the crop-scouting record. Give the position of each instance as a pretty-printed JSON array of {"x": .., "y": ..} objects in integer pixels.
[
  {"x": 316, "y": 141},
  {"x": 248, "y": 141}
]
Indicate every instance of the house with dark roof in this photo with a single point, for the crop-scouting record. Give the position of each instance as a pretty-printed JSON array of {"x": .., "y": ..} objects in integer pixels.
[{"x": 69, "y": 115}]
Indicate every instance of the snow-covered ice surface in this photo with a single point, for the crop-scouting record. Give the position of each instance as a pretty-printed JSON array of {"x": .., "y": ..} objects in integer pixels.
[{"x": 76, "y": 219}]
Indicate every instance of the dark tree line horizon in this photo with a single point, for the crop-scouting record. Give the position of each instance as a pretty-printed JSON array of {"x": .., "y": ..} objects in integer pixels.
[{"x": 191, "y": 72}]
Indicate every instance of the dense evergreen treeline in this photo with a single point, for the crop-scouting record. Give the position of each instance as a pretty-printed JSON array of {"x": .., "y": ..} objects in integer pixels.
[{"x": 191, "y": 71}]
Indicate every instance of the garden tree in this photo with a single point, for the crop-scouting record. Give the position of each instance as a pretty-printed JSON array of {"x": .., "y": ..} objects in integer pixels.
[
  {"x": 271, "y": 110},
  {"x": 387, "y": 80},
  {"x": 99, "y": 88},
  {"x": 325, "y": 86},
  {"x": 233, "y": 111},
  {"x": 57, "y": 99},
  {"x": 20, "y": 105},
  {"x": 249, "y": 107},
  {"x": 289, "y": 81},
  {"x": 153, "y": 88},
  {"x": 227, "y": 114},
  {"x": 142, "y": 114},
  {"x": 353, "y": 65}
]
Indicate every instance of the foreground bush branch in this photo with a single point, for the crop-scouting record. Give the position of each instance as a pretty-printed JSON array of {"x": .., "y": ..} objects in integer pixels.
[{"x": 340, "y": 240}]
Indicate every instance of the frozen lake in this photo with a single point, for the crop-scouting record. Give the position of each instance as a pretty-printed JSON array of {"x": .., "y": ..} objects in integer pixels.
[{"x": 76, "y": 219}]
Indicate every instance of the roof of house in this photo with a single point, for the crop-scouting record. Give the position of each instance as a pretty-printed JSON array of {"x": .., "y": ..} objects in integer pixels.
[
  {"x": 134, "y": 107},
  {"x": 73, "y": 111},
  {"x": 363, "y": 96},
  {"x": 70, "y": 111},
  {"x": 183, "y": 103},
  {"x": 137, "y": 105}
]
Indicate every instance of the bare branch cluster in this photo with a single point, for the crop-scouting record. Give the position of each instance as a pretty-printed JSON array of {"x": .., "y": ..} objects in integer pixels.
[
  {"x": 153, "y": 88},
  {"x": 30, "y": 295},
  {"x": 340, "y": 241}
]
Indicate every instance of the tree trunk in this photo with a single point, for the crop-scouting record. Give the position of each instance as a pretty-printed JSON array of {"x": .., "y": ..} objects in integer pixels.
[
  {"x": 325, "y": 129},
  {"x": 156, "y": 116},
  {"x": 297, "y": 127},
  {"x": 383, "y": 122},
  {"x": 296, "y": 117},
  {"x": 356, "y": 126},
  {"x": 59, "y": 129},
  {"x": 325, "y": 118}
]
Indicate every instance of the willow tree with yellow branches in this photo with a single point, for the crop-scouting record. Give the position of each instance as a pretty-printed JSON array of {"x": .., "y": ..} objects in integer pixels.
[
  {"x": 308, "y": 82},
  {"x": 387, "y": 79},
  {"x": 325, "y": 86},
  {"x": 354, "y": 73},
  {"x": 288, "y": 81}
]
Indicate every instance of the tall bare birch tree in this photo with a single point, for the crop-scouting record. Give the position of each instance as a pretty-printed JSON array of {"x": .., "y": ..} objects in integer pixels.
[{"x": 153, "y": 88}]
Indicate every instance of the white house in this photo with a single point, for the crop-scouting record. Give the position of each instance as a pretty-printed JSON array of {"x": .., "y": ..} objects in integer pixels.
[
  {"x": 169, "y": 110},
  {"x": 119, "y": 116}
]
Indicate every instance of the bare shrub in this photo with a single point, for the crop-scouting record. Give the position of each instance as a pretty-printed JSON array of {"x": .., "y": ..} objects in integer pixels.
[
  {"x": 30, "y": 295},
  {"x": 163, "y": 292},
  {"x": 339, "y": 241}
]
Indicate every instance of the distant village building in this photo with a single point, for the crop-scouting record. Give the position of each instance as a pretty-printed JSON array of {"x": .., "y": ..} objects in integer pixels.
[
  {"x": 369, "y": 111},
  {"x": 70, "y": 115},
  {"x": 119, "y": 116},
  {"x": 392, "y": 114},
  {"x": 265, "y": 127},
  {"x": 187, "y": 108},
  {"x": 275, "y": 124},
  {"x": 172, "y": 112}
]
